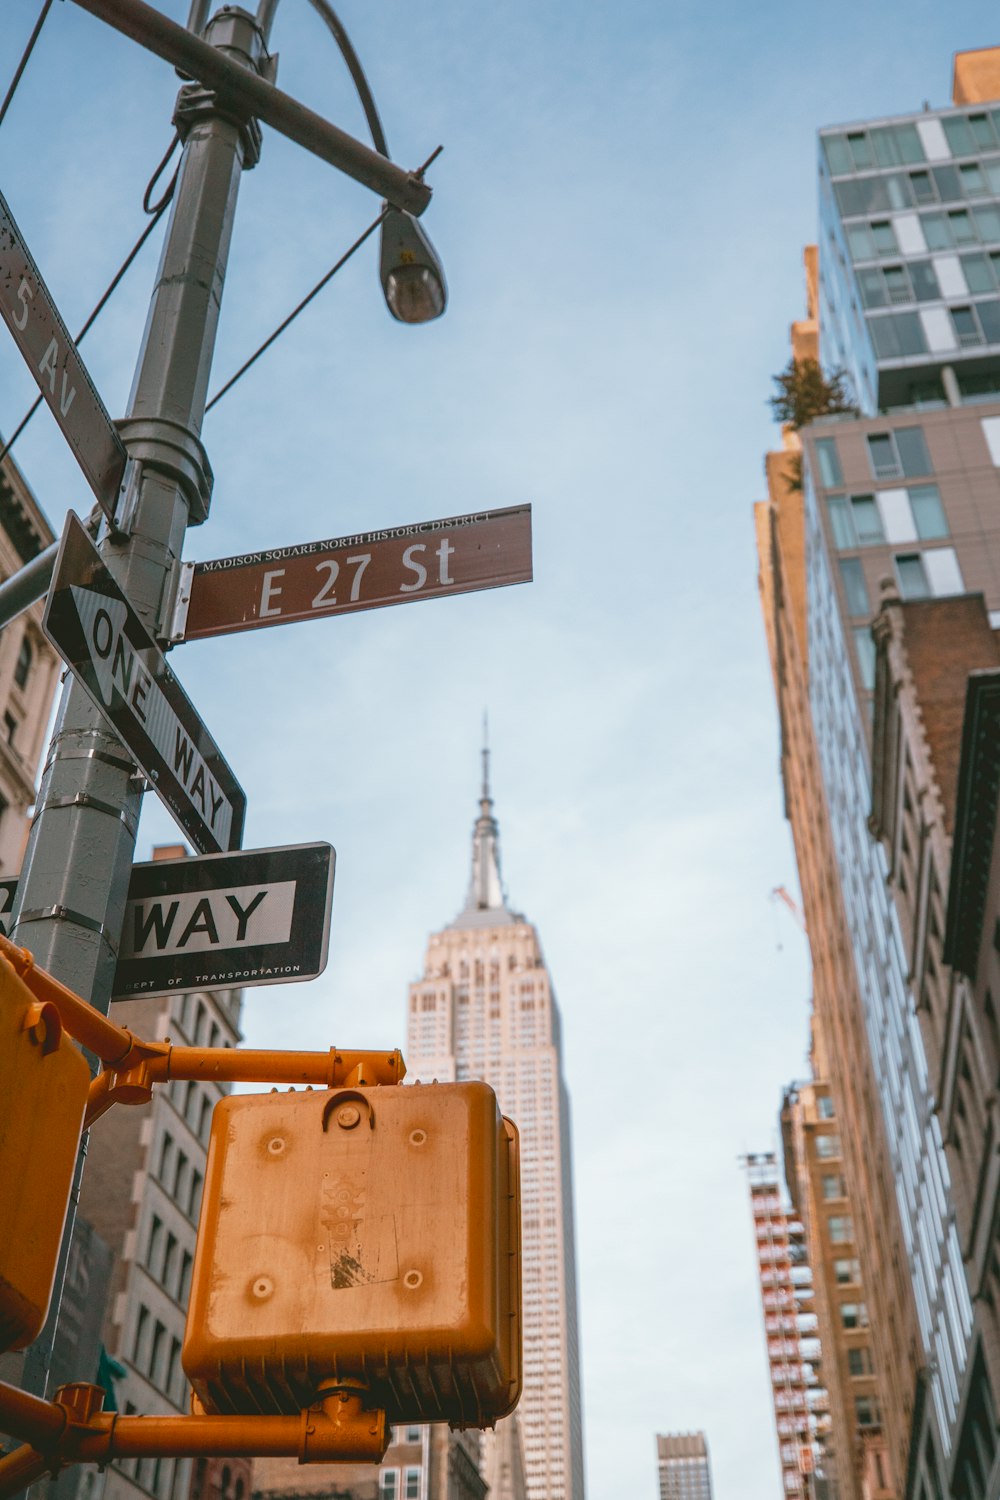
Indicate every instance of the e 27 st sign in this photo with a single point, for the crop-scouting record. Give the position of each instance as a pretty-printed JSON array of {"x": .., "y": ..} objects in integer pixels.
[{"x": 487, "y": 549}]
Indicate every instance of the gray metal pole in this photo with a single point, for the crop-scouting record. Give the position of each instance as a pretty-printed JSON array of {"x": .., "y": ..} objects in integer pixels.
[
  {"x": 29, "y": 584},
  {"x": 71, "y": 897}
]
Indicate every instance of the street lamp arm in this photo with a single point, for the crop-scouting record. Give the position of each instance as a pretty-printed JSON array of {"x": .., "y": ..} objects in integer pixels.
[{"x": 155, "y": 31}]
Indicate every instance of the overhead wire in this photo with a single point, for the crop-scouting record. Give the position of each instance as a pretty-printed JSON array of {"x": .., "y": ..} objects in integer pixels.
[
  {"x": 296, "y": 310},
  {"x": 30, "y": 47},
  {"x": 334, "y": 24},
  {"x": 156, "y": 211}
]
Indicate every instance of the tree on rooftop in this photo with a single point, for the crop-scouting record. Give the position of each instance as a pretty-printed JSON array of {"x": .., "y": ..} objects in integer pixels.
[{"x": 805, "y": 393}]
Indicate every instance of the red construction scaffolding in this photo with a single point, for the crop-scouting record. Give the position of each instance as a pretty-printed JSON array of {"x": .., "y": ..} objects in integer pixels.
[{"x": 800, "y": 1401}]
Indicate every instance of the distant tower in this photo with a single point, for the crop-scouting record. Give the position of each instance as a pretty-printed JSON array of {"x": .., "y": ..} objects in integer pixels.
[
  {"x": 682, "y": 1460},
  {"x": 485, "y": 1009}
]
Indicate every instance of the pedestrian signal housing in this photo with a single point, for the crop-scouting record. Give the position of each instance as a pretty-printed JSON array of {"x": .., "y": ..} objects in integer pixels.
[
  {"x": 44, "y": 1080},
  {"x": 367, "y": 1236}
]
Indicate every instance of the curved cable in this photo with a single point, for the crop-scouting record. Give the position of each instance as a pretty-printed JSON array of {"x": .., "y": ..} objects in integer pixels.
[
  {"x": 357, "y": 72},
  {"x": 158, "y": 207}
]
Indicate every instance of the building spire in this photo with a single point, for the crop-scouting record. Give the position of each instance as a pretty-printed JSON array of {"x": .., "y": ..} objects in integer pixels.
[{"x": 485, "y": 886}]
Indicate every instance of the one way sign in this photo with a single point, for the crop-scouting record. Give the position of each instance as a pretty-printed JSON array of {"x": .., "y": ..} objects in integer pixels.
[
  {"x": 221, "y": 921},
  {"x": 226, "y": 920},
  {"x": 97, "y": 632}
]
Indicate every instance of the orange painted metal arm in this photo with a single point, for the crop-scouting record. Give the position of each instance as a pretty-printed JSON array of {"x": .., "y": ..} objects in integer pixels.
[
  {"x": 158, "y": 1062},
  {"x": 73, "y": 1429},
  {"x": 329, "y": 1070},
  {"x": 29, "y": 1417},
  {"x": 21, "y": 1468},
  {"x": 111, "y": 1043}
]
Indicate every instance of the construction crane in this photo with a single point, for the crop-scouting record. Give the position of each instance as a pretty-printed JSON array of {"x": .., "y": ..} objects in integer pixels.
[{"x": 779, "y": 893}]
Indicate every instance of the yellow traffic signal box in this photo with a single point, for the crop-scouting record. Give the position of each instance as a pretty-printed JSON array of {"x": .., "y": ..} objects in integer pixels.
[
  {"x": 367, "y": 1235},
  {"x": 44, "y": 1080}
]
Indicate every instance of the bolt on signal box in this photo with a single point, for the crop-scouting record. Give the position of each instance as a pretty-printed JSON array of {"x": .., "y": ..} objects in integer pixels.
[{"x": 367, "y": 1235}]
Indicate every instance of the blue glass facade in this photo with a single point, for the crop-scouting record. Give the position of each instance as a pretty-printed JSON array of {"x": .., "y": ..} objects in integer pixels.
[
  {"x": 920, "y": 1169},
  {"x": 909, "y": 308},
  {"x": 910, "y": 256}
]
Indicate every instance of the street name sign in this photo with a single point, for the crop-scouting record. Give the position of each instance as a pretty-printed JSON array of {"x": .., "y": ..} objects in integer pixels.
[
  {"x": 52, "y": 357},
  {"x": 221, "y": 921},
  {"x": 485, "y": 550},
  {"x": 98, "y": 633}
]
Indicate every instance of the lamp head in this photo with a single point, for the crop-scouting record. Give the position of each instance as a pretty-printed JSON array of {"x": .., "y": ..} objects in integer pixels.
[{"x": 412, "y": 275}]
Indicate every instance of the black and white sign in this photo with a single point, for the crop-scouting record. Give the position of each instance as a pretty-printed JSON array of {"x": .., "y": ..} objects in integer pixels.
[
  {"x": 97, "y": 632},
  {"x": 51, "y": 356},
  {"x": 221, "y": 921},
  {"x": 8, "y": 890},
  {"x": 225, "y": 920}
]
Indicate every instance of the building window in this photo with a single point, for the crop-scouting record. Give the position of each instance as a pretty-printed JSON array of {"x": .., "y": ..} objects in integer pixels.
[
  {"x": 841, "y": 1228},
  {"x": 388, "y": 1484},
  {"x": 913, "y": 582},
  {"x": 864, "y": 648},
  {"x": 966, "y": 326},
  {"x": 411, "y": 1484},
  {"x": 153, "y": 1246},
  {"x": 824, "y": 1107},
  {"x": 866, "y": 520},
  {"x": 833, "y": 1185},
  {"x": 173, "y": 1365},
  {"x": 141, "y": 1324},
  {"x": 859, "y": 1361},
  {"x": 901, "y": 454},
  {"x": 828, "y": 1145},
  {"x": 185, "y": 1281},
  {"x": 853, "y": 1315},
  {"x": 855, "y": 589},
  {"x": 10, "y": 725},
  {"x": 866, "y": 1411},
  {"x": 897, "y": 335},
  {"x": 872, "y": 240},
  {"x": 23, "y": 666},
  {"x": 928, "y": 512},
  {"x": 931, "y": 574},
  {"x": 169, "y": 1263},
  {"x": 847, "y": 1271},
  {"x": 829, "y": 463},
  {"x": 967, "y": 135},
  {"x": 155, "y": 1352}
]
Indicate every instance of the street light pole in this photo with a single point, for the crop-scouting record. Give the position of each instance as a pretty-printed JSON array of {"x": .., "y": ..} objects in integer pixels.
[{"x": 74, "y": 882}]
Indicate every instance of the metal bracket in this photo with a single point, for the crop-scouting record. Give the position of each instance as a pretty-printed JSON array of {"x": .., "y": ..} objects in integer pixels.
[
  {"x": 168, "y": 448},
  {"x": 84, "y": 799},
  {"x": 66, "y": 914},
  {"x": 177, "y": 613},
  {"x": 196, "y": 103}
]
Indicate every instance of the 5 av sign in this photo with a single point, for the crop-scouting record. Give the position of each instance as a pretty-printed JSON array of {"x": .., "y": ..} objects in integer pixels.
[{"x": 52, "y": 357}]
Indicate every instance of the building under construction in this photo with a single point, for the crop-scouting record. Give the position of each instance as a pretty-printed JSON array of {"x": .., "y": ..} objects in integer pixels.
[{"x": 790, "y": 1326}]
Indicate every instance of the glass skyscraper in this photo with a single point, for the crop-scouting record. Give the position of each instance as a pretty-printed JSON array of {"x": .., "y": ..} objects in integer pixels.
[{"x": 908, "y": 490}]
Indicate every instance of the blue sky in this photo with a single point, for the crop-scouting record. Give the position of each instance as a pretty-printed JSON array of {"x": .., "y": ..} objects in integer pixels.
[{"x": 620, "y": 206}]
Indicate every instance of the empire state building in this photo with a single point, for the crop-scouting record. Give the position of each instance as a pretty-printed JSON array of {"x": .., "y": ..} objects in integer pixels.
[{"x": 485, "y": 1009}]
